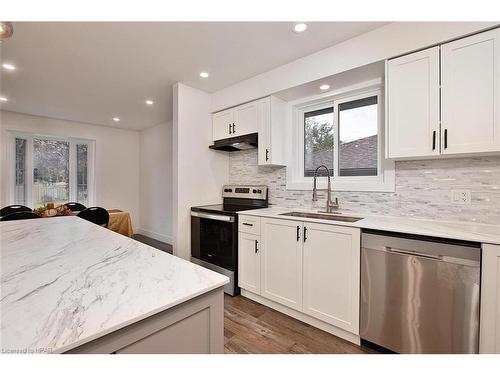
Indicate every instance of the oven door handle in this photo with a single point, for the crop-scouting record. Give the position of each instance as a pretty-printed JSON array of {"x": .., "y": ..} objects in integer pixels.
[{"x": 203, "y": 215}]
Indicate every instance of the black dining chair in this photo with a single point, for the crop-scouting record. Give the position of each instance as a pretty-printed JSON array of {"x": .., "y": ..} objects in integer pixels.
[
  {"x": 14, "y": 208},
  {"x": 21, "y": 215},
  {"x": 75, "y": 206},
  {"x": 96, "y": 215}
]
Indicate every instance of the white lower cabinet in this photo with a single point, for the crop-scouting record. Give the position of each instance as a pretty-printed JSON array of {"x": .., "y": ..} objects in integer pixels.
[
  {"x": 331, "y": 275},
  {"x": 308, "y": 267},
  {"x": 249, "y": 262},
  {"x": 281, "y": 261},
  {"x": 489, "y": 336}
]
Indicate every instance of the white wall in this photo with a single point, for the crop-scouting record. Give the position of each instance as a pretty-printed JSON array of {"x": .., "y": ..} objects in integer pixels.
[
  {"x": 156, "y": 182},
  {"x": 116, "y": 157},
  {"x": 377, "y": 45},
  {"x": 198, "y": 172}
]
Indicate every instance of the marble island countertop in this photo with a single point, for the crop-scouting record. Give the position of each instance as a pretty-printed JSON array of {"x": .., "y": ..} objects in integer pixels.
[
  {"x": 435, "y": 228},
  {"x": 65, "y": 282}
]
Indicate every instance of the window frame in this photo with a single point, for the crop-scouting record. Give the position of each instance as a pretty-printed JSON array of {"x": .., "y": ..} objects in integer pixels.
[
  {"x": 10, "y": 166},
  {"x": 385, "y": 179}
]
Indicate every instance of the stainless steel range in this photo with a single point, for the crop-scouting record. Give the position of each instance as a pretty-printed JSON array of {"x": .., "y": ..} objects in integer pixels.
[{"x": 214, "y": 230}]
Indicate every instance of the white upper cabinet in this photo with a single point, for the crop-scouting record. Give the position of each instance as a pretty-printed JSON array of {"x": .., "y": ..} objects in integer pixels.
[
  {"x": 246, "y": 119},
  {"x": 281, "y": 261},
  {"x": 236, "y": 121},
  {"x": 222, "y": 124},
  {"x": 412, "y": 117},
  {"x": 272, "y": 132},
  {"x": 445, "y": 100},
  {"x": 470, "y": 94},
  {"x": 331, "y": 274}
]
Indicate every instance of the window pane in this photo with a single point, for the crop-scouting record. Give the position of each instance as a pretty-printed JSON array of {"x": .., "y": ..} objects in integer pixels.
[
  {"x": 50, "y": 171},
  {"x": 358, "y": 128},
  {"x": 20, "y": 188},
  {"x": 318, "y": 141},
  {"x": 81, "y": 174}
]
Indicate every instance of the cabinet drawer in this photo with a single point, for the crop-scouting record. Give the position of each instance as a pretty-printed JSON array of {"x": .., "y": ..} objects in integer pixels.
[{"x": 249, "y": 224}]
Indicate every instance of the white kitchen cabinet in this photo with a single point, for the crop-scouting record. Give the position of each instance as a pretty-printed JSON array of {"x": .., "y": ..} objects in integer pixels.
[
  {"x": 470, "y": 94},
  {"x": 249, "y": 262},
  {"x": 281, "y": 261},
  {"x": 222, "y": 123},
  {"x": 272, "y": 132},
  {"x": 331, "y": 274},
  {"x": 236, "y": 121},
  {"x": 412, "y": 103},
  {"x": 489, "y": 336},
  {"x": 246, "y": 119}
]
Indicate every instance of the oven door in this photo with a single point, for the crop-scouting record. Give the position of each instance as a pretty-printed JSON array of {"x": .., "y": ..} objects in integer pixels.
[{"x": 213, "y": 238}]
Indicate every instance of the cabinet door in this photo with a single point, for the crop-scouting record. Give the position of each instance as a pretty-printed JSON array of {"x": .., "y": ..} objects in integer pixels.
[
  {"x": 331, "y": 274},
  {"x": 246, "y": 118},
  {"x": 222, "y": 123},
  {"x": 412, "y": 100},
  {"x": 249, "y": 262},
  {"x": 264, "y": 150},
  {"x": 281, "y": 261},
  {"x": 489, "y": 336},
  {"x": 470, "y": 94}
]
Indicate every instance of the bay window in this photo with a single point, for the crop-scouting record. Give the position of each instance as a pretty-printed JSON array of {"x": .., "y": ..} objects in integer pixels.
[{"x": 49, "y": 169}]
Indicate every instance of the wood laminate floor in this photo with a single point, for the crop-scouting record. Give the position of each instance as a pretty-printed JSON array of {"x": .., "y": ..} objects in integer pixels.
[
  {"x": 163, "y": 246},
  {"x": 250, "y": 327}
]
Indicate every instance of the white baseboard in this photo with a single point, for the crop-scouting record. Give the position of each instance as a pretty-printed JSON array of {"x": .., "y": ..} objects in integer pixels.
[
  {"x": 155, "y": 235},
  {"x": 351, "y": 337}
]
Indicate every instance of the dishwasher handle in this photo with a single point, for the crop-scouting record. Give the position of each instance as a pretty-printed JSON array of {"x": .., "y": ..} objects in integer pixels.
[
  {"x": 413, "y": 253},
  {"x": 442, "y": 258}
]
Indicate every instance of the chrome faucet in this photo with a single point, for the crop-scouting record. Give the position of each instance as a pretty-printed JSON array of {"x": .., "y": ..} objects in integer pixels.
[{"x": 330, "y": 205}]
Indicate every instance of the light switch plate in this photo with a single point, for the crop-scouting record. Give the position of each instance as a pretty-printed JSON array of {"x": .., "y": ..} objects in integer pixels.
[{"x": 461, "y": 196}]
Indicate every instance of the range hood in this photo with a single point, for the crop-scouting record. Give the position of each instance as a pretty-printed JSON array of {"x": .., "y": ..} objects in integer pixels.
[{"x": 243, "y": 142}]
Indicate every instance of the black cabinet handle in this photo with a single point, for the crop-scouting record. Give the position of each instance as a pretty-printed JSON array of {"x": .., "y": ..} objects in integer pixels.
[
  {"x": 305, "y": 234},
  {"x": 229, "y": 128},
  {"x": 256, "y": 246},
  {"x": 434, "y": 140},
  {"x": 445, "y": 138},
  {"x": 267, "y": 154},
  {"x": 234, "y": 131},
  {"x": 248, "y": 224},
  {"x": 298, "y": 233}
]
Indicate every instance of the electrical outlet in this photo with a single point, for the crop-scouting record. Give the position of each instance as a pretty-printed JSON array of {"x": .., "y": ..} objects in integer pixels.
[{"x": 461, "y": 196}]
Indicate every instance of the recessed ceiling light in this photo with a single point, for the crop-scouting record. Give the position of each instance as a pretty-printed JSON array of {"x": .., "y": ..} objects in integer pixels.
[
  {"x": 149, "y": 102},
  {"x": 3, "y": 99},
  {"x": 300, "y": 27},
  {"x": 9, "y": 66},
  {"x": 116, "y": 119},
  {"x": 324, "y": 87},
  {"x": 204, "y": 75}
]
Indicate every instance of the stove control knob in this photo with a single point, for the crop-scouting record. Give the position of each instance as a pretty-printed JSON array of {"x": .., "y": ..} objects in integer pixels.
[
  {"x": 259, "y": 191},
  {"x": 254, "y": 191}
]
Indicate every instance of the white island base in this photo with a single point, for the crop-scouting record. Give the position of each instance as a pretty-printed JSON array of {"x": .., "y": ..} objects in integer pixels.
[{"x": 193, "y": 327}]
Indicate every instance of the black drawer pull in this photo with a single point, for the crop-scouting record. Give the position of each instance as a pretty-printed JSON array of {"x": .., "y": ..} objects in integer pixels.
[
  {"x": 434, "y": 140},
  {"x": 305, "y": 234},
  {"x": 256, "y": 246},
  {"x": 234, "y": 131},
  {"x": 445, "y": 138},
  {"x": 267, "y": 154},
  {"x": 229, "y": 128},
  {"x": 248, "y": 224},
  {"x": 298, "y": 233}
]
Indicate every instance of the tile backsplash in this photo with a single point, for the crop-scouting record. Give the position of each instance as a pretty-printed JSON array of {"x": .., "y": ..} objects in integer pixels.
[{"x": 423, "y": 188}]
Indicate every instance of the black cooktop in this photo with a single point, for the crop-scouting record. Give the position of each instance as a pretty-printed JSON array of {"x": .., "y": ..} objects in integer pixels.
[{"x": 222, "y": 208}]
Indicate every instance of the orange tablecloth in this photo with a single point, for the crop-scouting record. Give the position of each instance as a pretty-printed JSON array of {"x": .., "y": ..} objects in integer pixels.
[{"x": 120, "y": 222}]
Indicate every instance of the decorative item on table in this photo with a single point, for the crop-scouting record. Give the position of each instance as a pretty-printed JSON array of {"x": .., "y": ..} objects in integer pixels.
[{"x": 48, "y": 210}]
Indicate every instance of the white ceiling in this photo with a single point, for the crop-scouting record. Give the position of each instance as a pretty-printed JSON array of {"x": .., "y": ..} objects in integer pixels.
[{"x": 91, "y": 72}]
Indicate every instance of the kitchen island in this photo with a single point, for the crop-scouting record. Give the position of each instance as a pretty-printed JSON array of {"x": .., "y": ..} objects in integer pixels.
[{"x": 68, "y": 285}]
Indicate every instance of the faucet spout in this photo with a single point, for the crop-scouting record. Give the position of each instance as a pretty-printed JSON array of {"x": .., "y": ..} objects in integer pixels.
[{"x": 330, "y": 205}]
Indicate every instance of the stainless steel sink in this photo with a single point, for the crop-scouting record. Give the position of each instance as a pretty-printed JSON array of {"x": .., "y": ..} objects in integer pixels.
[{"x": 311, "y": 215}]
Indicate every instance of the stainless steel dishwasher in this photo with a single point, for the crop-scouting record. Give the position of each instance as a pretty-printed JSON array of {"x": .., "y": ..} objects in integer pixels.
[{"x": 419, "y": 294}]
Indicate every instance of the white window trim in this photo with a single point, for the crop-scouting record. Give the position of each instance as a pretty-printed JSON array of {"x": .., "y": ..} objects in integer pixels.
[
  {"x": 385, "y": 181},
  {"x": 9, "y": 165}
]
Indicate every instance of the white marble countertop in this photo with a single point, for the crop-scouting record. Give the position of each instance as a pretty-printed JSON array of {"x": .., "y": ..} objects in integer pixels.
[
  {"x": 453, "y": 230},
  {"x": 66, "y": 281}
]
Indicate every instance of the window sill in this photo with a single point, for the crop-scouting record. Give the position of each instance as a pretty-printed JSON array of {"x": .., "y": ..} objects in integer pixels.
[{"x": 378, "y": 185}]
